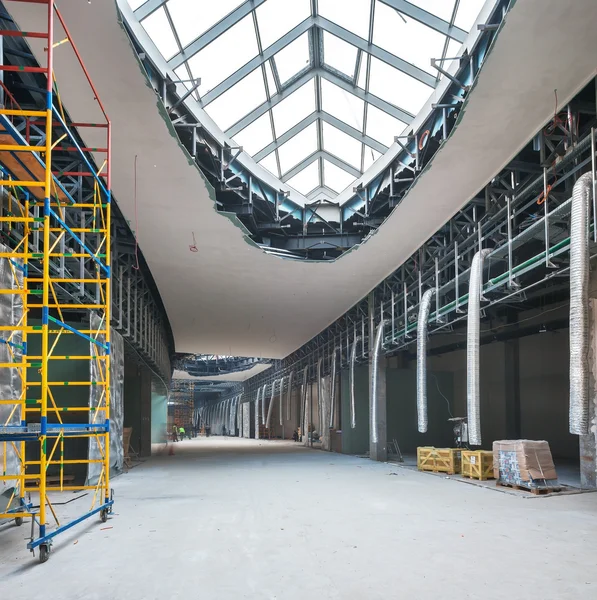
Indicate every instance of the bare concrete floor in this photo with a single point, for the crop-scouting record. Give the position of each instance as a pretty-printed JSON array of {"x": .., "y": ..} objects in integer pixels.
[{"x": 229, "y": 519}]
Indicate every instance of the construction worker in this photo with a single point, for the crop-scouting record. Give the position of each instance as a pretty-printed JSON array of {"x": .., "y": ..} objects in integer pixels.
[
  {"x": 182, "y": 432},
  {"x": 174, "y": 433}
]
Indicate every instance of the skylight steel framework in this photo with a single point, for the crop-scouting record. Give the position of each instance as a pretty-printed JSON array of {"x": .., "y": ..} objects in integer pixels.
[{"x": 326, "y": 219}]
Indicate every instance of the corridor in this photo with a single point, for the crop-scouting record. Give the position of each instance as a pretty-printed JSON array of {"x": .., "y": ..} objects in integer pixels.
[{"x": 227, "y": 518}]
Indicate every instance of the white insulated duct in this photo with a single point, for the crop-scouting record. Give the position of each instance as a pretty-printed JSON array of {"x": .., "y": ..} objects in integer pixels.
[
  {"x": 263, "y": 405},
  {"x": 320, "y": 395},
  {"x": 288, "y": 398},
  {"x": 353, "y": 358},
  {"x": 257, "y": 416},
  {"x": 375, "y": 380},
  {"x": 333, "y": 388},
  {"x": 271, "y": 404},
  {"x": 281, "y": 400},
  {"x": 424, "y": 308},
  {"x": 303, "y": 411},
  {"x": 473, "y": 399},
  {"x": 579, "y": 305}
]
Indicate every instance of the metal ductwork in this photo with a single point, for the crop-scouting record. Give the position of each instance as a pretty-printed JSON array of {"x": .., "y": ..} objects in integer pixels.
[
  {"x": 333, "y": 388},
  {"x": 271, "y": 404},
  {"x": 424, "y": 308},
  {"x": 375, "y": 380},
  {"x": 579, "y": 305},
  {"x": 353, "y": 358},
  {"x": 281, "y": 400},
  {"x": 320, "y": 395},
  {"x": 288, "y": 398},
  {"x": 473, "y": 399},
  {"x": 303, "y": 411},
  {"x": 263, "y": 404}
]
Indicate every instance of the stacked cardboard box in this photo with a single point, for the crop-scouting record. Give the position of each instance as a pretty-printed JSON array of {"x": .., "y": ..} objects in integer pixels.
[{"x": 525, "y": 463}]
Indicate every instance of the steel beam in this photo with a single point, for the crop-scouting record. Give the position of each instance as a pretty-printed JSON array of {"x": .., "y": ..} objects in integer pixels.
[{"x": 315, "y": 156}]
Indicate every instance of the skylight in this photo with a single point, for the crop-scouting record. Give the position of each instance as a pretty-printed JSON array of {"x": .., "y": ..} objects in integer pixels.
[{"x": 315, "y": 92}]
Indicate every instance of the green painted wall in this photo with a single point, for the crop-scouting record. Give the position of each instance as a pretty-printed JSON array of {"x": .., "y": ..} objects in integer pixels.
[{"x": 355, "y": 441}]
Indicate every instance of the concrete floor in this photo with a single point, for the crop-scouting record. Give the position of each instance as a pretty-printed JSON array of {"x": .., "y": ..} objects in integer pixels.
[{"x": 227, "y": 519}]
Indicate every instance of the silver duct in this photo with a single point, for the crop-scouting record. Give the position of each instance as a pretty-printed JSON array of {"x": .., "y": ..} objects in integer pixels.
[
  {"x": 353, "y": 358},
  {"x": 303, "y": 411},
  {"x": 424, "y": 308},
  {"x": 320, "y": 395},
  {"x": 333, "y": 388},
  {"x": 271, "y": 404},
  {"x": 281, "y": 400},
  {"x": 288, "y": 399},
  {"x": 375, "y": 380},
  {"x": 263, "y": 405},
  {"x": 473, "y": 400},
  {"x": 579, "y": 305},
  {"x": 257, "y": 417}
]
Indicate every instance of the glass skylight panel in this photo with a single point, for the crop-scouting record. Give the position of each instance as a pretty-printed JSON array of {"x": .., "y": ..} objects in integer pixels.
[
  {"x": 158, "y": 29},
  {"x": 404, "y": 37},
  {"x": 342, "y": 105},
  {"x": 396, "y": 87},
  {"x": 363, "y": 71},
  {"x": 225, "y": 55},
  {"x": 341, "y": 145},
  {"x": 238, "y": 101},
  {"x": 192, "y": 18},
  {"x": 338, "y": 54},
  {"x": 298, "y": 148},
  {"x": 335, "y": 178},
  {"x": 370, "y": 157},
  {"x": 440, "y": 8},
  {"x": 307, "y": 180},
  {"x": 277, "y": 17},
  {"x": 256, "y": 136},
  {"x": 293, "y": 58},
  {"x": 135, "y": 4},
  {"x": 350, "y": 14},
  {"x": 271, "y": 164},
  {"x": 295, "y": 108},
  {"x": 468, "y": 11},
  {"x": 382, "y": 127}
]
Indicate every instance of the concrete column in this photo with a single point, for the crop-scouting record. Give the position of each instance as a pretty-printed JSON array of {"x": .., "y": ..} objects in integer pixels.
[
  {"x": 378, "y": 449},
  {"x": 588, "y": 443}
]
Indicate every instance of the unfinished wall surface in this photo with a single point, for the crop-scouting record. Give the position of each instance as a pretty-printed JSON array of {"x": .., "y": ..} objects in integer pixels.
[
  {"x": 402, "y": 409},
  {"x": 137, "y": 404},
  {"x": 355, "y": 441},
  {"x": 159, "y": 411},
  {"x": 288, "y": 426}
]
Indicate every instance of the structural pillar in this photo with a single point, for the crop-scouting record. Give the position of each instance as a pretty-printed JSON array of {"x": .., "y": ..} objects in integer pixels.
[
  {"x": 588, "y": 443},
  {"x": 378, "y": 449}
]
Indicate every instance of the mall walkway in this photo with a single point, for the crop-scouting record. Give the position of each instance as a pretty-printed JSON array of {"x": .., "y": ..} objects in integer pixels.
[{"x": 228, "y": 519}]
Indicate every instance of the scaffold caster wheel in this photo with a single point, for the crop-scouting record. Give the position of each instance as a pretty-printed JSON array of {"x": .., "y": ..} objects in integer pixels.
[
  {"x": 44, "y": 553},
  {"x": 103, "y": 515},
  {"x": 18, "y": 521}
]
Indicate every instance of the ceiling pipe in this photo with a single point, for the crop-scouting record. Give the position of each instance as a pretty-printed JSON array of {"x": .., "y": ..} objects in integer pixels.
[
  {"x": 424, "y": 308},
  {"x": 579, "y": 305},
  {"x": 472, "y": 348}
]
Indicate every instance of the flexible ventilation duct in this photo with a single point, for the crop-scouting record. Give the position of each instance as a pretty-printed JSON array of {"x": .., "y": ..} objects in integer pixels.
[
  {"x": 271, "y": 404},
  {"x": 375, "y": 380},
  {"x": 303, "y": 415},
  {"x": 263, "y": 405},
  {"x": 288, "y": 399},
  {"x": 472, "y": 348},
  {"x": 333, "y": 388},
  {"x": 353, "y": 358},
  {"x": 424, "y": 308},
  {"x": 257, "y": 416},
  {"x": 281, "y": 399},
  {"x": 320, "y": 394},
  {"x": 579, "y": 304}
]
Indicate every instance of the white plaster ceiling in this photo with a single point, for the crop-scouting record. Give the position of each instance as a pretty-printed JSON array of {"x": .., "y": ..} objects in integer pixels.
[{"x": 232, "y": 298}]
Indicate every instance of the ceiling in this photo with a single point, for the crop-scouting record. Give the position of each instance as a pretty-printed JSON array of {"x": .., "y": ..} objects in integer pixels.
[
  {"x": 238, "y": 54},
  {"x": 230, "y": 297}
]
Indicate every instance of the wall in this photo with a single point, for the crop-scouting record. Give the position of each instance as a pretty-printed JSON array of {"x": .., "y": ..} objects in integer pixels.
[
  {"x": 137, "y": 404},
  {"x": 401, "y": 386},
  {"x": 159, "y": 411},
  {"x": 288, "y": 426},
  {"x": 355, "y": 441}
]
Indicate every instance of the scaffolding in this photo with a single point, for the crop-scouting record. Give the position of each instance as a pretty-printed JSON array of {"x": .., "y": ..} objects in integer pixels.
[{"x": 55, "y": 266}]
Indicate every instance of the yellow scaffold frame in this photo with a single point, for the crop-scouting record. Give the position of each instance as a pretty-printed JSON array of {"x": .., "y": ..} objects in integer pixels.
[{"x": 26, "y": 169}]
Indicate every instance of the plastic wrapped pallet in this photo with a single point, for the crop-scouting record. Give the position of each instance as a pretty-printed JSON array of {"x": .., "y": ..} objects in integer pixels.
[{"x": 526, "y": 463}]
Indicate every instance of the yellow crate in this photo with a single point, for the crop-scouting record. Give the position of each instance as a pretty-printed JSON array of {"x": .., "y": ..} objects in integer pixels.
[
  {"x": 477, "y": 464},
  {"x": 438, "y": 460}
]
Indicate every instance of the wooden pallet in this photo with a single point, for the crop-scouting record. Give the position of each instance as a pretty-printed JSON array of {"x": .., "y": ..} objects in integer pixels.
[
  {"x": 477, "y": 464},
  {"x": 438, "y": 460},
  {"x": 533, "y": 490}
]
